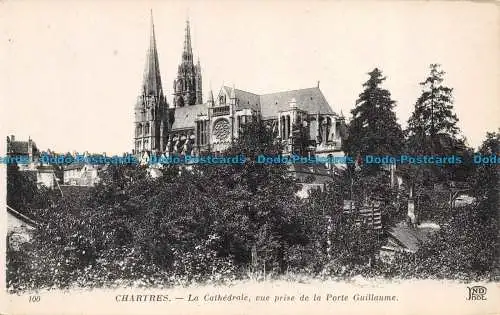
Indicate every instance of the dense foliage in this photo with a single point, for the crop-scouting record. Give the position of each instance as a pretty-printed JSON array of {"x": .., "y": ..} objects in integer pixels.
[
  {"x": 217, "y": 223},
  {"x": 433, "y": 130},
  {"x": 373, "y": 128},
  {"x": 432, "y": 127},
  {"x": 21, "y": 187},
  {"x": 467, "y": 245}
]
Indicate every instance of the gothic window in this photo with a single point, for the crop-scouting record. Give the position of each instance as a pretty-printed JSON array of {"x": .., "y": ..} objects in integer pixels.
[
  {"x": 240, "y": 123},
  {"x": 282, "y": 127},
  {"x": 222, "y": 100},
  {"x": 288, "y": 126},
  {"x": 146, "y": 129},
  {"x": 138, "y": 146},
  {"x": 198, "y": 132},
  {"x": 202, "y": 132},
  {"x": 205, "y": 130},
  {"x": 138, "y": 130},
  {"x": 221, "y": 130}
]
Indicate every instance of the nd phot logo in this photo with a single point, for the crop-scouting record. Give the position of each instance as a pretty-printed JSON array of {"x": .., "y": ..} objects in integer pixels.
[{"x": 477, "y": 293}]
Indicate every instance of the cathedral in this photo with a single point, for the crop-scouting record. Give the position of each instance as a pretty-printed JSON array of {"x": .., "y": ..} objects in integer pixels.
[{"x": 190, "y": 126}]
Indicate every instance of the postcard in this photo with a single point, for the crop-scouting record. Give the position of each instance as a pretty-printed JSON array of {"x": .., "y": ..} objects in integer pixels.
[{"x": 250, "y": 157}]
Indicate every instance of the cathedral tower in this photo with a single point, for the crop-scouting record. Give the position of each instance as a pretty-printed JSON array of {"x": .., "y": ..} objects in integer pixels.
[
  {"x": 151, "y": 109},
  {"x": 188, "y": 85}
]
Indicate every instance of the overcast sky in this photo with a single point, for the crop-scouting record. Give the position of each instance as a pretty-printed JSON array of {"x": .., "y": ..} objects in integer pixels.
[{"x": 71, "y": 71}]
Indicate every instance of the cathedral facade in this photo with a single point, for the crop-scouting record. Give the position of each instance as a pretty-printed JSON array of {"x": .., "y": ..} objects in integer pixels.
[{"x": 190, "y": 126}]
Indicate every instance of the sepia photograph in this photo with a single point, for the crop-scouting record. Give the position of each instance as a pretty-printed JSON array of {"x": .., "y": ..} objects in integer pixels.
[{"x": 246, "y": 157}]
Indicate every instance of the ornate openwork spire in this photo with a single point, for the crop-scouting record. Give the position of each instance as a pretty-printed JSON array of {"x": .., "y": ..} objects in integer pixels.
[
  {"x": 187, "y": 54},
  {"x": 188, "y": 84}
]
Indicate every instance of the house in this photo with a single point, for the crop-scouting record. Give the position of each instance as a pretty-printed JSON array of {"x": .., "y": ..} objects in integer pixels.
[
  {"x": 19, "y": 228},
  {"x": 28, "y": 149},
  {"x": 404, "y": 238},
  {"x": 30, "y": 161},
  {"x": 81, "y": 174},
  {"x": 45, "y": 176}
]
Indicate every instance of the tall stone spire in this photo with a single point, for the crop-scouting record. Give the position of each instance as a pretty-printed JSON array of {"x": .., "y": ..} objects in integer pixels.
[
  {"x": 151, "y": 85},
  {"x": 188, "y": 84},
  {"x": 151, "y": 109},
  {"x": 199, "y": 93},
  {"x": 210, "y": 101},
  {"x": 187, "y": 54}
]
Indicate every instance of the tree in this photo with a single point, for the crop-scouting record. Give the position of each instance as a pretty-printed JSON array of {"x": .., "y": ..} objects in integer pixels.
[
  {"x": 432, "y": 130},
  {"x": 300, "y": 138},
  {"x": 21, "y": 187},
  {"x": 374, "y": 128},
  {"x": 344, "y": 244},
  {"x": 486, "y": 176},
  {"x": 487, "y": 193},
  {"x": 466, "y": 246},
  {"x": 432, "y": 127},
  {"x": 255, "y": 203}
]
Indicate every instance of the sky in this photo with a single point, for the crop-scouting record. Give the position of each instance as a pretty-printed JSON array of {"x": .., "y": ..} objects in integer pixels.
[{"x": 72, "y": 70}]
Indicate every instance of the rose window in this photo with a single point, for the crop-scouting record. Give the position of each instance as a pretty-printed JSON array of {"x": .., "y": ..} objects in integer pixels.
[{"x": 221, "y": 130}]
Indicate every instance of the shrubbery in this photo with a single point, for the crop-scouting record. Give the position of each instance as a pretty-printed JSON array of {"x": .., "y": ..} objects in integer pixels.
[{"x": 216, "y": 224}]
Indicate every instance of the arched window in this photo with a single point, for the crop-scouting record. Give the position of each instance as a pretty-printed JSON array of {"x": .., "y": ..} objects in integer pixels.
[
  {"x": 328, "y": 129},
  {"x": 138, "y": 130},
  {"x": 146, "y": 129},
  {"x": 282, "y": 124},
  {"x": 288, "y": 129}
]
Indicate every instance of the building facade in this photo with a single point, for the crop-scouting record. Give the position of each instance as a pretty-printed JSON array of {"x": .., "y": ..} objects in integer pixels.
[
  {"x": 28, "y": 161},
  {"x": 191, "y": 126},
  {"x": 26, "y": 149},
  {"x": 80, "y": 174}
]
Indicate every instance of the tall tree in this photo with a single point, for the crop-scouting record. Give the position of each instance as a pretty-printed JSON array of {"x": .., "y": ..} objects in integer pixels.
[
  {"x": 432, "y": 130},
  {"x": 374, "y": 128},
  {"x": 487, "y": 175},
  {"x": 432, "y": 127},
  {"x": 257, "y": 202}
]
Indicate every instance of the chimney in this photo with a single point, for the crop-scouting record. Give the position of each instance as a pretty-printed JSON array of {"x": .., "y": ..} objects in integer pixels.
[{"x": 318, "y": 84}]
